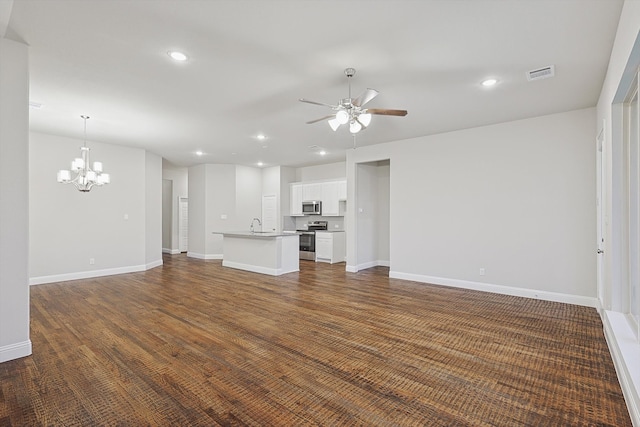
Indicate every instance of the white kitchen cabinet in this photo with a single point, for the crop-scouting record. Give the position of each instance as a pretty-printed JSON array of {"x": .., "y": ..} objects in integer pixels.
[
  {"x": 330, "y": 205},
  {"x": 295, "y": 199},
  {"x": 342, "y": 190},
  {"x": 311, "y": 192},
  {"x": 330, "y": 246}
]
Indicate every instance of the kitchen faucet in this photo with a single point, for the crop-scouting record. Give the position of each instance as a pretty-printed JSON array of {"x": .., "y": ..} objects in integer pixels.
[{"x": 251, "y": 226}]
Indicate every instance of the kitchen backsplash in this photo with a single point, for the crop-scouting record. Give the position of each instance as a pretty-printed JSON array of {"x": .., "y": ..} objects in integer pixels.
[{"x": 299, "y": 222}]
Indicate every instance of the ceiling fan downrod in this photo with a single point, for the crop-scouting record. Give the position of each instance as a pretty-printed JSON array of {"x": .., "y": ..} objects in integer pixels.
[{"x": 350, "y": 72}]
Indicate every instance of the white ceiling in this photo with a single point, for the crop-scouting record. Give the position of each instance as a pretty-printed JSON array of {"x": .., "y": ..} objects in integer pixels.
[{"x": 250, "y": 61}]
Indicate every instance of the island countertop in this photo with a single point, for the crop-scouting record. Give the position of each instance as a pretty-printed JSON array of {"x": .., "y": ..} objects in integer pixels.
[
  {"x": 261, "y": 252},
  {"x": 256, "y": 234}
]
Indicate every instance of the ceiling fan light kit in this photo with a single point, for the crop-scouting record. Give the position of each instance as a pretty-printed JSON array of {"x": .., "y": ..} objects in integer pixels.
[{"x": 350, "y": 110}]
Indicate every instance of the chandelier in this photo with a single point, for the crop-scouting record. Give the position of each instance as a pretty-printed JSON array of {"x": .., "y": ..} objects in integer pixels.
[{"x": 85, "y": 177}]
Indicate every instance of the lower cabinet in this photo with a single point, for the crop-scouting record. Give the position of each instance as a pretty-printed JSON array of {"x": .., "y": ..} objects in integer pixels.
[{"x": 330, "y": 246}]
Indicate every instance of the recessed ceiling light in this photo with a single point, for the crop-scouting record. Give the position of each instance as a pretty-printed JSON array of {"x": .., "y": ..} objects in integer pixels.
[
  {"x": 261, "y": 137},
  {"x": 199, "y": 153},
  {"x": 489, "y": 82},
  {"x": 260, "y": 164},
  {"x": 322, "y": 153},
  {"x": 178, "y": 56}
]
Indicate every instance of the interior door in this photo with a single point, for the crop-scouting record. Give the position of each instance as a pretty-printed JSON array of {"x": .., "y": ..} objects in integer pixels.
[
  {"x": 270, "y": 213},
  {"x": 183, "y": 224}
]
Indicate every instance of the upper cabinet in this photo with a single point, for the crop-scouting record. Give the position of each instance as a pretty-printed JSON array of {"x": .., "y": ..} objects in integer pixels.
[
  {"x": 311, "y": 192},
  {"x": 330, "y": 205},
  {"x": 332, "y": 194},
  {"x": 342, "y": 190},
  {"x": 296, "y": 199}
]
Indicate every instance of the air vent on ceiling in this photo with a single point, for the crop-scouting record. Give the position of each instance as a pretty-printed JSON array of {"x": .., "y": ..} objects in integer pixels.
[{"x": 541, "y": 73}]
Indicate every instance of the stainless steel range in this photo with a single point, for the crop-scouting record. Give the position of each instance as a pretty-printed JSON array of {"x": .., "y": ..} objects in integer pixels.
[{"x": 308, "y": 239}]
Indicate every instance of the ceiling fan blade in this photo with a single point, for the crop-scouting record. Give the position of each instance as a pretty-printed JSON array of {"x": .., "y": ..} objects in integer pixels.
[
  {"x": 365, "y": 97},
  {"x": 321, "y": 119},
  {"x": 387, "y": 112},
  {"x": 317, "y": 103}
]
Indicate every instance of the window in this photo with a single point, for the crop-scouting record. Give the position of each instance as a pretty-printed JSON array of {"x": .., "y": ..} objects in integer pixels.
[{"x": 631, "y": 208}]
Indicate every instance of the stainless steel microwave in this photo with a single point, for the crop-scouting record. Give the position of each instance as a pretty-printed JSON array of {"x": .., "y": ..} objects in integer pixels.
[{"x": 312, "y": 207}]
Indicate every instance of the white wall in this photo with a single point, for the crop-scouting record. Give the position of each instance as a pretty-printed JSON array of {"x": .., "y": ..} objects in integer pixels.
[
  {"x": 516, "y": 199},
  {"x": 248, "y": 196},
  {"x": 320, "y": 172},
  {"x": 111, "y": 224},
  {"x": 197, "y": 210},
  {"x": 383, "y": 219},
  {"x": 167, "y": 215},
  {"x": 14, "y": 200},
  {"x": 275, "y": 180},
  {"x": 221, "y": 200},
  {"x": 153, "y": 210},
  {"x": 217, "y": 190}
]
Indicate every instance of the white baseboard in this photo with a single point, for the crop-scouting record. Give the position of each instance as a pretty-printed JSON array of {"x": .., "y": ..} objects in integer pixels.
[
  {"x": 153, "y": 264},
  {"x": 170, "y": 251},
  {"x": 15, "y": 351},
  {"x": 257, "y": 268},
  {"x": 204, "y": 256},
  {"x": 365, "y": 265},
  {"x": 625, "y": 352},
  {"x": 499, "y": 289},
  {"x": 40, "y": 280}
]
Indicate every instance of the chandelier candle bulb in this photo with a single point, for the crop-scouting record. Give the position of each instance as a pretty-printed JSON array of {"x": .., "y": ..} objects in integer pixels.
[{"x": 64, "y": 176}]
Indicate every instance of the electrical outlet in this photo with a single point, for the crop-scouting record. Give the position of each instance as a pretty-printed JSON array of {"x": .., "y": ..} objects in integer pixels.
[
  {"x": 482, "y": 271},
  {"x": 92, "y": 261}
]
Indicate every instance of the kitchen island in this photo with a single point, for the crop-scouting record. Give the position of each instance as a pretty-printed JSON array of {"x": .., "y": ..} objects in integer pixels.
[{"x": 261, "y": 252}]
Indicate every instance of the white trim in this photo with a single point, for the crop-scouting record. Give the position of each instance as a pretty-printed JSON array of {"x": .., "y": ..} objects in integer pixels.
[
  {"x": 15, "y": 351},
  {"x": 257, "y": 268},
  {"x": 153, "y": 264},
  {"x": 204, "y": 256},
  {"x": 625, "y": 352},
  {"x": 85, "y": 274},
  {"x": 40, "y": 280},
  {"x": 365, "y": 265},
  {"x": 170, "y": 251},
  {"x": 499, "y": 289}
]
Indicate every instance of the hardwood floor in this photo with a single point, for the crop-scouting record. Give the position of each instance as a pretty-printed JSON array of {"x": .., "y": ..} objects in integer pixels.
[{"x": 193, "y": 343}]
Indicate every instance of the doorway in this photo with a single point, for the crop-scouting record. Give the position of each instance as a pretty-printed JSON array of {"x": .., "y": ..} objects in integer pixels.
[
  {"x": 372, "y": 211},
  {"x": 270, "y": 213},
  {"x": 183, "y": 224}
]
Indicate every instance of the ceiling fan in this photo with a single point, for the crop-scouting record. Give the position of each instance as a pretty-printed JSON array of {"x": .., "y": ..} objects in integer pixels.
[{"x": 351, "y": 110}]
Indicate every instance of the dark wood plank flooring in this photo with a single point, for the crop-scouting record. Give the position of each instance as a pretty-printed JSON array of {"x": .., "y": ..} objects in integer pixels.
[{"x": 193, "y": 343}]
